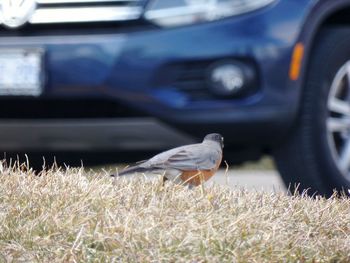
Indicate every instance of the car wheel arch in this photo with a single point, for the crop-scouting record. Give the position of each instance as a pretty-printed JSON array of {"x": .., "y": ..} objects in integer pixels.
[{"x": 318, "y": 18}]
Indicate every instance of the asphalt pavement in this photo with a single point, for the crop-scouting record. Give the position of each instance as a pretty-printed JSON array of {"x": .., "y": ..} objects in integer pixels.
[{"x": 262, "y": 180}]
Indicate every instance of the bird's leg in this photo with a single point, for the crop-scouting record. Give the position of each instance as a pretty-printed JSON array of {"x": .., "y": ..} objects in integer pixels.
[
  {"x": 201, "y": 181},
  {"x": 164, "y": 179}
]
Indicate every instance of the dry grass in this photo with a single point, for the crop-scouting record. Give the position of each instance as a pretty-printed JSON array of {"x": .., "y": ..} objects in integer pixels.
[{"x": 72, "y": 216}]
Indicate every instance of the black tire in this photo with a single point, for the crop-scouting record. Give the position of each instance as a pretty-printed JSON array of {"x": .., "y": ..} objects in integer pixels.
[{"x": 305, "y": 158}]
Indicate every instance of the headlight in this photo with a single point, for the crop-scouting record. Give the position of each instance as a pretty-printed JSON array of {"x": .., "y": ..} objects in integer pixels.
[{"x": 182, "y": 12}]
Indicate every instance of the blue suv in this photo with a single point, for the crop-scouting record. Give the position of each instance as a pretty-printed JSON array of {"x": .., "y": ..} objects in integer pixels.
[{"x": 273, "y": 76}]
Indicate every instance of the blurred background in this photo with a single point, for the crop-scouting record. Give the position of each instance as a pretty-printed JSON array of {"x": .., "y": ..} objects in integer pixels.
[{"x": 109, "y": 82}]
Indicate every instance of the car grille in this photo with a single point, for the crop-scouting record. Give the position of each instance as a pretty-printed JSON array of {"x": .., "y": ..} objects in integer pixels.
[{"x": 80, "y": 11}]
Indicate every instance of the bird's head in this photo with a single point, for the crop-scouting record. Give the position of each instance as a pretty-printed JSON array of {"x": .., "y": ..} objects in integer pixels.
[{"x": 215, "y": 137}]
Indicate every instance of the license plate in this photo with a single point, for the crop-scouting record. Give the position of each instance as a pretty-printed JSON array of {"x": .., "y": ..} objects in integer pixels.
[{"x": 21, "y": 72}]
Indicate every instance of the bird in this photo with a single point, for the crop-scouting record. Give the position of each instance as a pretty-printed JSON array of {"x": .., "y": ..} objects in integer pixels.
[{"x": 190, "y": 165}]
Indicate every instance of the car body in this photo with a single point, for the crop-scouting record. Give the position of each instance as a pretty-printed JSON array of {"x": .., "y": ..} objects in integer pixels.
[
  {"x": 133, "y": 85},
  {"x": 147, "y": 70}
]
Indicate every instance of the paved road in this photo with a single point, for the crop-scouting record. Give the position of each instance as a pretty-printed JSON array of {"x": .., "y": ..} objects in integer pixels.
[
  {"x": 267, "y": 180},
  {"x": 262, "y": 180}
]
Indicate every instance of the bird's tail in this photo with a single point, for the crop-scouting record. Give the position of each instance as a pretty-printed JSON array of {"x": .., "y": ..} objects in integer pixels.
[{"x": 130, "y": 170}]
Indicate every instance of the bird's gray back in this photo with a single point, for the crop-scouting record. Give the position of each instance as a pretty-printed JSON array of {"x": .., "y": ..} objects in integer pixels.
[{"x": 201, "y": 156}]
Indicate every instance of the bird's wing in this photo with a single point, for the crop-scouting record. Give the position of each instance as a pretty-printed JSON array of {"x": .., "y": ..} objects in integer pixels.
[{"x": 191, "y": 157}]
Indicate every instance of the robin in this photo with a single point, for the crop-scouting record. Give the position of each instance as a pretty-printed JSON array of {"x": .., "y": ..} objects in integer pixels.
[{"x": 189, "y": 164}]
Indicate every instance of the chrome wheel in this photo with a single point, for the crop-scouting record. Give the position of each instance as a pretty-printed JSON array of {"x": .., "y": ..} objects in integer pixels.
[
  {"x": 338, "y": 120},
  {"x": 316, "y": 154}
]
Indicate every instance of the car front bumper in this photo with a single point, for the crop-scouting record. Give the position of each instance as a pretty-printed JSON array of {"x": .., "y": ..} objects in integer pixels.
[{"x": 143, "y": 70}]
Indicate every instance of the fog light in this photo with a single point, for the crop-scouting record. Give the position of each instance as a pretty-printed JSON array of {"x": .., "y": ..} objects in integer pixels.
[{"x": 230, "y": 78}]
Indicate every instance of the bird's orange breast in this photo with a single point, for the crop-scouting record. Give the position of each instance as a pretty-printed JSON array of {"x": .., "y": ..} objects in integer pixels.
[{"x": 197, "y": 177}]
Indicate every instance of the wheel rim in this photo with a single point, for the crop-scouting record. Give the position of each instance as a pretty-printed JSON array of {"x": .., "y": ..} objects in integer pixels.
[{"x": 338, "y": 120}]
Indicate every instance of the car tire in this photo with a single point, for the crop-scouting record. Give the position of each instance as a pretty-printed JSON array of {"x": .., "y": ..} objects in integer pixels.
[{"x": 316, "y": 154}]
